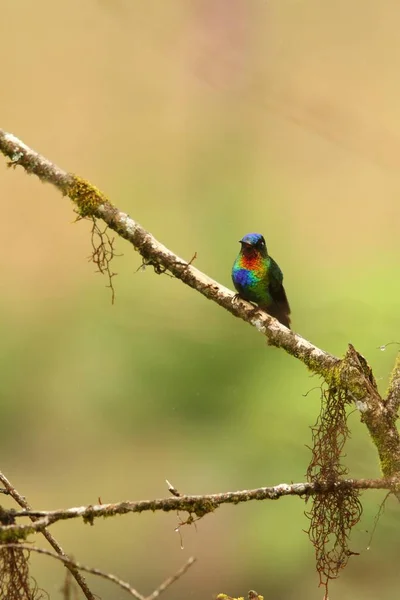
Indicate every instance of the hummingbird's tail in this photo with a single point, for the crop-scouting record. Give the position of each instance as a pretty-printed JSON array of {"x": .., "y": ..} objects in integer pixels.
[
  {"x": 281, "y": 313},
  {"x": 280, "y": 308}
]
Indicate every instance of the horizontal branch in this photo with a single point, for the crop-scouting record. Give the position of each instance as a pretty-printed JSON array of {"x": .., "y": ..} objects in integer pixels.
[{"x": 194, "y": 505}]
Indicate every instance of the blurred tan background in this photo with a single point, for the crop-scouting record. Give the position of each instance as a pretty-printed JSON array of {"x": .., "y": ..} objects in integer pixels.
[{"x": 204, "y": 120}]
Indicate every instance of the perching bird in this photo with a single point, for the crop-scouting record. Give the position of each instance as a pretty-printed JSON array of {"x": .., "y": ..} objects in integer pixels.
[{"x": 258, "y": 278}]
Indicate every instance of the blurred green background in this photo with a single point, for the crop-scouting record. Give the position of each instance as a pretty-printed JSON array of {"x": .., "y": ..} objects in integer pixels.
[{"x": 204, "y": 120}]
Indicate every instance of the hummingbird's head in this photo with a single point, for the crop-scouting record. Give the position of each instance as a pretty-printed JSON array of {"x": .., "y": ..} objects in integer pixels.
[{"x": 253, "y": 244}]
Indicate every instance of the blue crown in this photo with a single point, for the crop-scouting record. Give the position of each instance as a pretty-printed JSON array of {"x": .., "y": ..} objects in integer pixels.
[{"x": 252, "y": 238}]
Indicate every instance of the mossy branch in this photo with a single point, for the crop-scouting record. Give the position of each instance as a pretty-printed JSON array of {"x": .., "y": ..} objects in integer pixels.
[
  {"x": 348, "y": 380},
  {"x": 393, "y": 394},
  {"x": 91, "y": 202},
  {"x": 352, "y": 372},
  {"x": 196, "y": 506}
]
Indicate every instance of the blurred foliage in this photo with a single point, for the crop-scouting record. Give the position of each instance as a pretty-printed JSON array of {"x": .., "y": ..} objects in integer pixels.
[{"x": 204, "y": 120}]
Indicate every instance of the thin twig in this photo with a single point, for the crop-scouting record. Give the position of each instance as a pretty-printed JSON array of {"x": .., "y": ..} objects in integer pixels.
[
  {"x": 21, "y": 501},
  {"x": 69, "y": 562},
  {"x": 197, "y": 505},
  {"x": 378, "y": 515},
  {"x": 161, "y": 588},
  {"x": 172, "y": 489}
]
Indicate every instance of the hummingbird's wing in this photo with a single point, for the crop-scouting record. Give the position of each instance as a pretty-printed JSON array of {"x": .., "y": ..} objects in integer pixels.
[{"x": 280, "y": 309}]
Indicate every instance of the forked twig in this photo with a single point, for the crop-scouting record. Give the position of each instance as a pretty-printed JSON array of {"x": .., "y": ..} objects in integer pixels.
[{"x": 69, "y": 562}]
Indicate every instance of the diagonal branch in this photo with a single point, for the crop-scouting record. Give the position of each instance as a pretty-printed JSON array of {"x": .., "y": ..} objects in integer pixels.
[
  {"x": 10, "y": 489},
  {"x": 91, "y": 202},
  {"x": 197, "y": 505},
  {"x": 351, "y": 373}
]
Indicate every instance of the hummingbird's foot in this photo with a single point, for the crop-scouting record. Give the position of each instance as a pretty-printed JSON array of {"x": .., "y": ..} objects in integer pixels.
[
  {"x": 256, "y": 311},
  {"x": 235, "y": 299}
]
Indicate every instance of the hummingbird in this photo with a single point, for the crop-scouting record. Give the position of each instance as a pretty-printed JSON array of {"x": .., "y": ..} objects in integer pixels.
[{"x": 258, "y": 278}]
